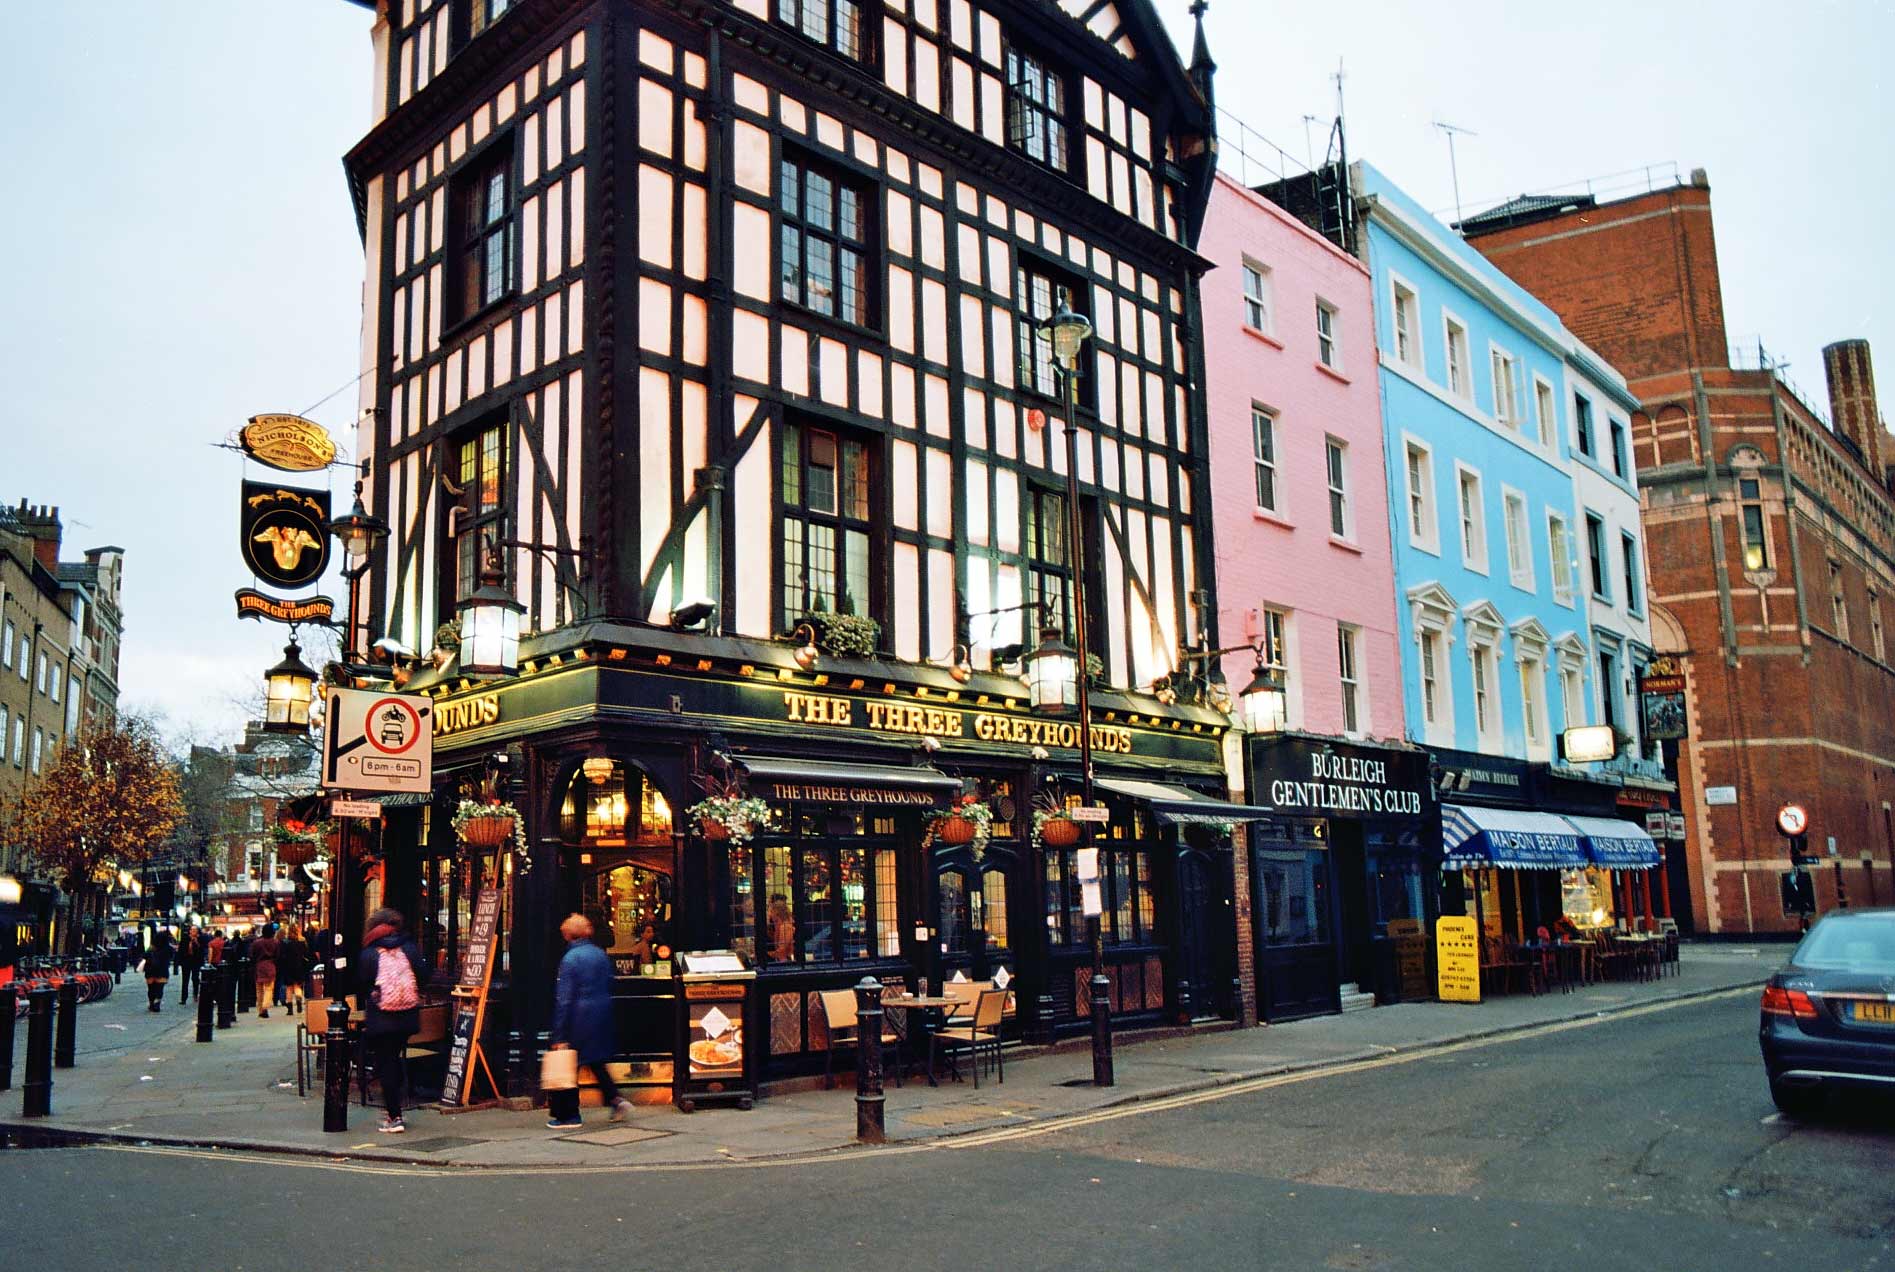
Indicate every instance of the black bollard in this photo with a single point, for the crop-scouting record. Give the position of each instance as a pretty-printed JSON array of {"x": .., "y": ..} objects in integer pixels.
[
  {"x": 206, "y": 1017},
  {"x": 66, "y": 1036},
  {"x": 335, "y": 1077},
  {"x": 39, "y": 1054},
  {"x": 870, "y": 1122},
  {"x": 226, "y": 995},
  {"x": 246, "y": 986},
  {"x": 9, "y": 1008},
  {"x": 1101, "y": 1030}
]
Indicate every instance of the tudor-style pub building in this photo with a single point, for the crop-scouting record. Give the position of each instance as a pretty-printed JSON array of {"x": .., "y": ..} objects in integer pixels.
[{"x": 722, "y": 318}]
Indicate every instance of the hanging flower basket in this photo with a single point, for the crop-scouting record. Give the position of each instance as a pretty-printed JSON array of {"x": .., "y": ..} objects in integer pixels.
[
  {"x": 1055, "y": 830},
  {"x": 487, "y": 826},
  {"x": 299, "y": 843},
  {"x": 488, "y": 830},
  {"x": 969, "y": 821},
  {"x": 729, "y": 817}
]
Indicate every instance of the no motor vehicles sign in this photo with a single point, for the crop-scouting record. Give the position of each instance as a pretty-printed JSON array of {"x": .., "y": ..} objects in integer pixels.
[{"x": 378, "y": 742}]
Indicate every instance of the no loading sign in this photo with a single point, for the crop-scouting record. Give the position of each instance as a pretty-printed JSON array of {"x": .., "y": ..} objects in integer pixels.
[{"x": 378, "y": 742}]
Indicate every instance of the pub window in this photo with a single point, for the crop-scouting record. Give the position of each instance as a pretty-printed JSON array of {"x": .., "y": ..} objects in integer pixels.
[
  {"x": 1037, "y": 106},
  {"x": 827, "y": 485},
  {"x": 477, "y": 481},
  {"x": 1125, "y": 875},
  {"x": 482, "y": 202},
  {"x": 993, "y": 910},
  {"x": 482, "y": 14},
  {"x": 956, "y": 914},
  {"x": 826, "y": 241},
  {"x": 834, "y": 24},
  {"x": 1039, "y": 292},
  {"x": 826, "y": 901},
  {"x": 1049, "y": 562}
]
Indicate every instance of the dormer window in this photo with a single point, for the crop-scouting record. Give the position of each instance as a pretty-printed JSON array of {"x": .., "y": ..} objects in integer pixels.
[
  {"x": 1037, "y": 105},
  {"x": 837, "y": 25}
]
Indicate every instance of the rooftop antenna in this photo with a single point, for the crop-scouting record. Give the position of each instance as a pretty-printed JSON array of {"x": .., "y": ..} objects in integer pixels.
[
  {"x": 1452, "y": 131},
  {"x": 1309, "y": 147}
]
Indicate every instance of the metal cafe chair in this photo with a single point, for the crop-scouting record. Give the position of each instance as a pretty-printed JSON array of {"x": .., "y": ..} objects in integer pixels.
[{"x": 976, "y": 1034}]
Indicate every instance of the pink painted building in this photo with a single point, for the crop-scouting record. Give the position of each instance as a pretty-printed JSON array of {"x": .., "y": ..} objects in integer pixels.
[{"x": 1305, "y": 571}]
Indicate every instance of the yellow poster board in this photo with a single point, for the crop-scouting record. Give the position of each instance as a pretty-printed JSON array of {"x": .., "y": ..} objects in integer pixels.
[{"x": 1457, "y": 959}]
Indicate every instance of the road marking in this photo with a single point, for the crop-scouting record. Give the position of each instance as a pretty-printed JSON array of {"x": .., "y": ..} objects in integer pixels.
[{"x": 978, "y": 1139}]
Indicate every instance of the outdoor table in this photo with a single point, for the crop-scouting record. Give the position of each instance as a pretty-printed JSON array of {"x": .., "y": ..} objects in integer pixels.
[{"x": 933, "y": 1009}]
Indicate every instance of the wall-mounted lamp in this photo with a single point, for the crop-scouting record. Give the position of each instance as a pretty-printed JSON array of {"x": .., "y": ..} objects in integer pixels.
[{"x": 806, "y": 655}]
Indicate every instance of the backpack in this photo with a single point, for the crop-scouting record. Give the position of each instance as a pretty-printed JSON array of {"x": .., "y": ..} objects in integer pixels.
[{"x": 395, "y": 982}]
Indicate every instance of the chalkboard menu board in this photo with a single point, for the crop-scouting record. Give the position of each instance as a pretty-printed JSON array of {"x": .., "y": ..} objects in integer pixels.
[{"x": 470, "y": 999}]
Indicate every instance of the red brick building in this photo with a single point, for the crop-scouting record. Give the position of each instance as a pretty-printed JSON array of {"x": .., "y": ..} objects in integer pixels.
[{"x": 1771, "y": 534}]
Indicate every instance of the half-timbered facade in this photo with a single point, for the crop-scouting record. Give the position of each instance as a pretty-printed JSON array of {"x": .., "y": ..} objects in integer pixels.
[{"x": 739, "y": 302}]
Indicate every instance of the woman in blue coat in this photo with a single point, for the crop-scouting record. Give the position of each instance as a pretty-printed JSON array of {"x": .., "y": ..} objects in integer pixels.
[{"x": 582, "y": 1020}]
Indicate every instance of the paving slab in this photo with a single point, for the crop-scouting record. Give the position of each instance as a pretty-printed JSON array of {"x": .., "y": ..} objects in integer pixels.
[{"x": 141, "y": 1076}]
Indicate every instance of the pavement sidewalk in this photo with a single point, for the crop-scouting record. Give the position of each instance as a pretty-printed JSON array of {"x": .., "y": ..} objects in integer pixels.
[{"x": 141, "y": 1077}]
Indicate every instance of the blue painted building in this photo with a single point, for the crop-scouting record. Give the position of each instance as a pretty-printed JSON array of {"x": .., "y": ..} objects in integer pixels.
[{"x": 1496, "y": 655}]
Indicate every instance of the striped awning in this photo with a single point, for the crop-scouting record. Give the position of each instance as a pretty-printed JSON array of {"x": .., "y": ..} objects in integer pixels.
[
  {"x": 1513, "y": 838},
  {"x": 1617, "y": 844}
]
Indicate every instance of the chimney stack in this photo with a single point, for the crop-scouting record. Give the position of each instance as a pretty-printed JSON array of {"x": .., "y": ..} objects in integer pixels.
[
  {"x": 42, "y": 525},
  {"x": 1852, "y": 403}
]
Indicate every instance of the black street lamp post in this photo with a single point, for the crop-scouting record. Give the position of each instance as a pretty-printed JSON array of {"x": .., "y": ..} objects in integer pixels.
[{"x": 1068, "y": 332}]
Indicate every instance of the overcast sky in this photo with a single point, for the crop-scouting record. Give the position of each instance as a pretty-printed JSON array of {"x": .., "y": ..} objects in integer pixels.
[{"x": 182, "y": 253}]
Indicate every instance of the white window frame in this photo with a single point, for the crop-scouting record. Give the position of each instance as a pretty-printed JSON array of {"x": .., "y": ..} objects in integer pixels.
[
  {"x": 1632, "y": 572},
  {"x": 1450, "y": 325},
  {"x": 1437, "y": 707},
  {"x": 1572, "y": 692},
  {"x": 1483, "y": 661},
  {"x": 53, "y": 680},
  {"x": 1562, "y": 559},
  {"x": 1340, "y": 506},
  {"x": 1430, "y": 538},
  {"x": 1263, "y": 304},
  {"x": 1329, "y": 342},
  {"x": 1408, "y": 332},
  {"x": 1349, "y": 676},
  {"x": 1432, "y": 615},
  {"x": 6, "y": 648},
  {"x": 1473, "y": 554},
  {"x": 1592, "y": 426},
  {"x": 1618, "y": 439},
  {"x": 1505, "y": 370},
  {"x": 1547, "y": 421},
  {"x": 1263, "y": 415},
  {"x": 1603, "y": 574},
  {"x": 39, "y": 750},
  {"x": 1519, "y": 539},
  {"x": 19, "y": 741},
  {"x": 1274, "y": 639},
  {"x": 1533, "y": 723},
  {"x": 1877, "y": 638}
]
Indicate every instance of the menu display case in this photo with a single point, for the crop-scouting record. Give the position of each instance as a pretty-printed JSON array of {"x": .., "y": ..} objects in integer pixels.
[{"x": 715, "y": 1061}]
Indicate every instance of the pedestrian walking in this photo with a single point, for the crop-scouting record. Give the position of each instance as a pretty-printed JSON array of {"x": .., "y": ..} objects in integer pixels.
[
  {"x": 214, "y": 948},
  {"x": 582, "y": 1020},
  {"x": 264, "y": 951},
  {"x": 390, "y": 980},
  {"x": 292, "y": 968},
  {"x": 158, "y": 968},
  {"x": 190, "y": 963}
]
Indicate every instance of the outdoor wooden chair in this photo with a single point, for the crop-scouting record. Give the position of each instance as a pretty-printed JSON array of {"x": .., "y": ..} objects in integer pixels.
[
  {"x": 967, "y": 995},
  {"x": 975, "y": 1034},
  {"x": 310, "y": 1033},
  {"x": 430, "y": 1041},
  {"x": 839, "y": 1014},
  {"x": 1502, "y": 968}
]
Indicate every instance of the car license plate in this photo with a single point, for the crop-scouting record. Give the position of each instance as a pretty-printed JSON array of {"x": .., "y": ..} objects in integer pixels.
[{"x": 1874, "y": 1013}]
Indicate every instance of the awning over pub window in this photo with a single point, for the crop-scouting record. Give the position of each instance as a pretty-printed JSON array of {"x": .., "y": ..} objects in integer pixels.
[
  {"x": 1617, "y": 844},
  {"x": 1179, "y": 806},
  {"x": 1476, "y": 836},
  {"x": 859, "y": 785}
]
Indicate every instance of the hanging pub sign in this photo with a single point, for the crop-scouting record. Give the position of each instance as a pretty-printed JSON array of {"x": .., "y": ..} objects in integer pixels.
[
  {"x": 312, "y": 609},
  {"x": 288, "y": 443},
  {"x": 1661, "y": 693},
  {"x": 284, "y": 533}
]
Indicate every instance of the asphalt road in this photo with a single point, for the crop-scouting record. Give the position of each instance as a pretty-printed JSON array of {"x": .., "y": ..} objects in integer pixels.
[{"x": 1646, "y": 1141}]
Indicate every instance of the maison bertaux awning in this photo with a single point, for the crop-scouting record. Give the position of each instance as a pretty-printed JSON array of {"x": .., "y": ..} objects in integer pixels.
[
  {"x": 1472, "y": 836},
  {"x": 825, "y": 782},
  {"x": 1617, "y": 844},
  {"x": 1180, "y": 806}
]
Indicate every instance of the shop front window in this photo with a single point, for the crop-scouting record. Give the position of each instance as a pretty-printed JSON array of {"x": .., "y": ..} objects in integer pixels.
[
  {"x": 816, "y": 916},
  {"x": 1126, "y": 880},
  {"x": 1396, "y": 879},
  {"x": 779, "y": 920},
  {"x": 887, "y": 915},
  {"x": 743, "y": 896},
  {"x": 630, "y": 908},
  {"x": 1585, "y": 896},
  {"x": 1294, "y": 888}
]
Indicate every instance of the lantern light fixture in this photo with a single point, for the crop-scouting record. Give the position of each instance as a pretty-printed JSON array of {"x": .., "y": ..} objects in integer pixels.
[
  {"x": 288, "y": 689},
  {"x": 1052, "y": 674},
  {"x": 490, "y": 624}
]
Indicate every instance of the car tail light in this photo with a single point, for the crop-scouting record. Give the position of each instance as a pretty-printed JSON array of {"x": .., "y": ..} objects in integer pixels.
[{"x": 1779, "y": 1001}]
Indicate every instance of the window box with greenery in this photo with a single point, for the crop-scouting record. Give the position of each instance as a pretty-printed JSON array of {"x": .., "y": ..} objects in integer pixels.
[{"x": 845, "y": 635}]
